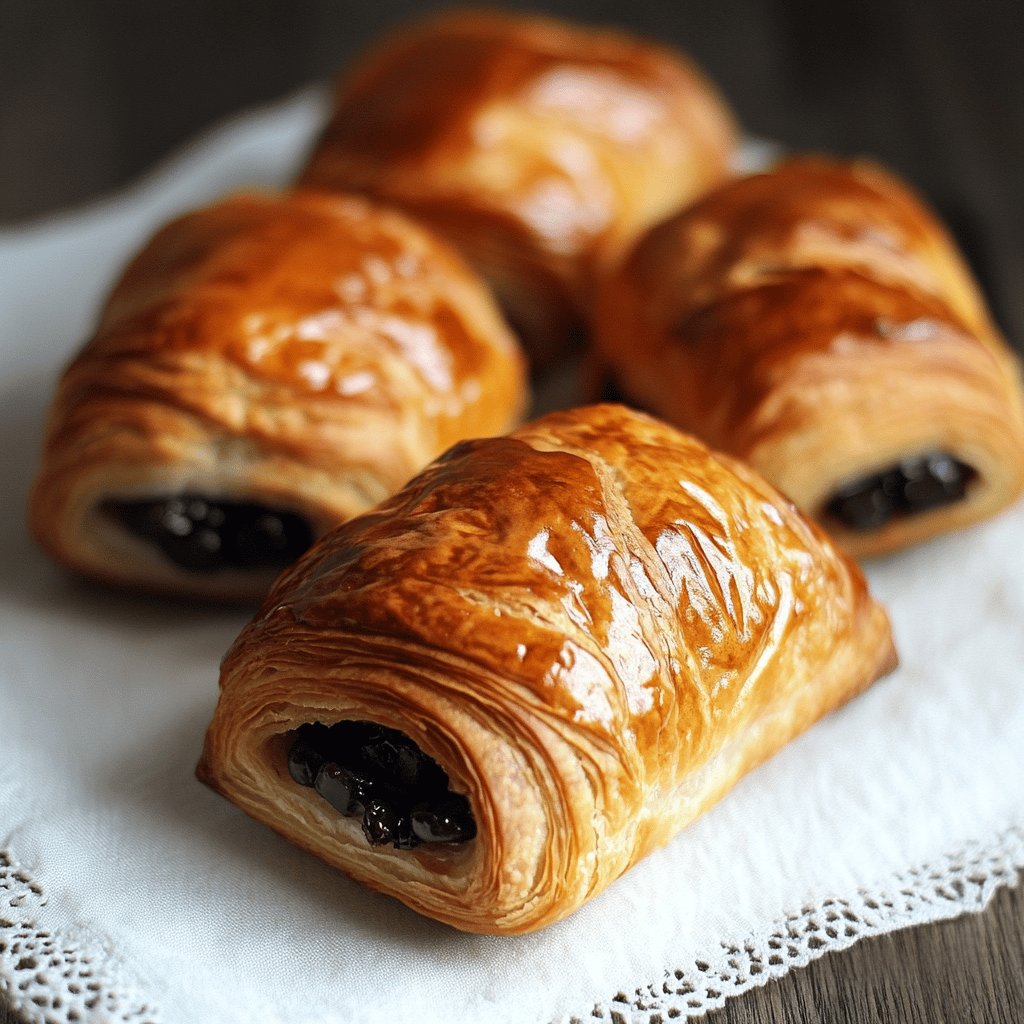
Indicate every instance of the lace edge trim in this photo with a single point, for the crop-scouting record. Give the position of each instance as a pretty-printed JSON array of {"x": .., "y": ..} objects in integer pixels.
[
  {"x": 45, "y": 975},
  {"x": 47, "y": 978},
  {"x": 958, "y": 883}
]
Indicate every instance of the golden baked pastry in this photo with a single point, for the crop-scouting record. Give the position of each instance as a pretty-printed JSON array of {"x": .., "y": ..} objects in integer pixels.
[
  {"x": 541, "y": 148},
  {"x": 265, "y": 369},
  {"x": 535, "y": 664},
  {"x": 817, "y": 321}
]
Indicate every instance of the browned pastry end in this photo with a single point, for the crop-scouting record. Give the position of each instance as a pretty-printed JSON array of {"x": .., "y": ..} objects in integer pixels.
[
  {"x": 541, "y": 148},
  {"x": 266, "y": 368},
  {"x": 817, "y": 321},
  {"x": 550, "y": 652}
]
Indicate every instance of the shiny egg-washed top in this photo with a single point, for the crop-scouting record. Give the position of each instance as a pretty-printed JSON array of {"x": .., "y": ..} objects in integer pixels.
[
  {"x": 817, "y": 321},
  {"x": 594, "y": 624},
  {"x": 615, "y": 569},
  {"x": 562, "y": 141},
  {"x": 316, "y": 293},
  {"x": 807, "y": 213},
  {"x": 810, "y": 212},
  {"x": 306, "y": 353}
]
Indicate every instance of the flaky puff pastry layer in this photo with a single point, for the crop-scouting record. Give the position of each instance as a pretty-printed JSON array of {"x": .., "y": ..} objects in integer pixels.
[
  {"x": 541, "y": 148},
  {"x": 817, "y": 321},
  {"x": 595, "y": 625},
  {"x": 303, "y": 351}
]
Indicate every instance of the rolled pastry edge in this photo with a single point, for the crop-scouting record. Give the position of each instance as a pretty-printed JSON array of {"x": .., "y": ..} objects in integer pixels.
[
  {"x": 857, "y": 420},
  {"x": 558, "y": 818},
  {"x": 536, "y": 857},
  {"x": 144, "y": 447}
]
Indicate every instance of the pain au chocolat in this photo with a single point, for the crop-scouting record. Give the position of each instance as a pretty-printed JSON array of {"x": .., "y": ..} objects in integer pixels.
[
  {"x": 542, "y": 149},
  {"x": 494, "y": 693},
  {"x": 265, "y": 368},
  {"x": 817, "y": 321}
]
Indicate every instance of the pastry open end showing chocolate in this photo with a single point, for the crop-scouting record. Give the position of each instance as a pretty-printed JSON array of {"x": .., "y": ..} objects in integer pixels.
[
  {"x": 367, "y": 770},
  {"x": 915, "y": 485},
  {"x": 203, "y": 535}
]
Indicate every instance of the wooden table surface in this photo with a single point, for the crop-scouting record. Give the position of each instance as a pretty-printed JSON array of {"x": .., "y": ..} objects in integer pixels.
[{"x": 95, "y": 90}]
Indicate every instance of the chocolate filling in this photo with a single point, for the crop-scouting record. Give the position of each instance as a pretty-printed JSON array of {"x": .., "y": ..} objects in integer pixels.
[
  {"x": 367, "y": 770},
  {"x": 203, "y": 535},
  {"x": 915, "y": 485}
]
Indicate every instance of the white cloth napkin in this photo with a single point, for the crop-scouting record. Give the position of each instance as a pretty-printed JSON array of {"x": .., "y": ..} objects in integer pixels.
[{"x": 129, "y": 892}]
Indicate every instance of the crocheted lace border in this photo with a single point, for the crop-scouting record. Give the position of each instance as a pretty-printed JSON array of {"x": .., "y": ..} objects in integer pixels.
[{"x": 46, "y": 977}]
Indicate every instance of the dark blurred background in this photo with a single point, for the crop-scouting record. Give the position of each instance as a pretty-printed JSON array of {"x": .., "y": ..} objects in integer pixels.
[{"x": 92, "y": 92}]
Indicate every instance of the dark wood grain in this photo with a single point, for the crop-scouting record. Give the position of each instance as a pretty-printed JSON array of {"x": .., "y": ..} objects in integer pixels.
[
  {"x": 95, "y": 90},
  {"x": 959, "y": 971}
]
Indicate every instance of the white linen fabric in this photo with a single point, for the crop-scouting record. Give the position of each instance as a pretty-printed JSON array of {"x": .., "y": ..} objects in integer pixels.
[{"x": 129, "y": 892}]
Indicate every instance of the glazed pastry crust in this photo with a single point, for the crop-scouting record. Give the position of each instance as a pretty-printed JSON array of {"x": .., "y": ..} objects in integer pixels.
[
  {"x": 817, "y": 321},
  {"x": 306, "y": 352},
  {"x": 541, "y": 149},
  {"x": 595, "y": 625}
]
